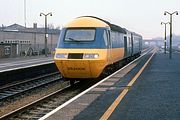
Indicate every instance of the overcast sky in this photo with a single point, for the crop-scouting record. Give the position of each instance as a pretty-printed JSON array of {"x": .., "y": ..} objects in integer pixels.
[{"x": 141, "y": 16}]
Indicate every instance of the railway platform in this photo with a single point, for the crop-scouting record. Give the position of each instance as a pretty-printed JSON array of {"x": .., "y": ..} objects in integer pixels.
[
  {"x": 8, "y": 64},
  {"x": 153, "y": 96},
  {"x": 21, "y": 68}
]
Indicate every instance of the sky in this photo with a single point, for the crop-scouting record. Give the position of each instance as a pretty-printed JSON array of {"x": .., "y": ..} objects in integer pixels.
[{"x": 141, "y": 16}]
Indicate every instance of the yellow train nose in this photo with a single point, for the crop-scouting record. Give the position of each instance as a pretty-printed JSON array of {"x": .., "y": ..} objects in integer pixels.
[{"x": 80, "y": 68}]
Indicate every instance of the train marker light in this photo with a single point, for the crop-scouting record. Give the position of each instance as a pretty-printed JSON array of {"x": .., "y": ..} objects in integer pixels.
[
  {"x": 91, "y": 56},
  {"x": 61, "y": 55}
]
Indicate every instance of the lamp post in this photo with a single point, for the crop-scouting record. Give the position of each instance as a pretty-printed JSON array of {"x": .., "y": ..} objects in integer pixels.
[
  {"x": 165, "y": 35},
  {"x": 46, "y": 35},
  {"x": 25, "y": 13},
  {"x": 170, "y": 46}
]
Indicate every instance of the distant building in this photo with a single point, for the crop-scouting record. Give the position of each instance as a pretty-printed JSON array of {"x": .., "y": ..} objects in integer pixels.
[
  {"x": 28, "y": 38},
  {"x": 153, "y": 42}
]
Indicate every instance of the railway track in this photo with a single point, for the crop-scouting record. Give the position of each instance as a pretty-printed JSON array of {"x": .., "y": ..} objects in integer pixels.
[
  {"x": 42, "y": 106},
  {"x": 46, "y": 104},
  {"x": 18, "y": 89}
]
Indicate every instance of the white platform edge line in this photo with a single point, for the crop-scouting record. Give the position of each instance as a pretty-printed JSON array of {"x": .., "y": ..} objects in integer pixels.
[
  {"x": 28, "y": 60},
  {"x": 24, "y": 63},
  {"x": 26, "y": 66},
  {"x": 79, "y": 95}
]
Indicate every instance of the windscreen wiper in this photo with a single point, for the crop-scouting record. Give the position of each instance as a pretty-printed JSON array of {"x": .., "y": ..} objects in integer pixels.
[{"x": 72, "y": 39}]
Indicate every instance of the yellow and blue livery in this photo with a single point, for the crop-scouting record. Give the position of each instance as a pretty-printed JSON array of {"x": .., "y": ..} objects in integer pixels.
[{"x": 88, "y": 46}]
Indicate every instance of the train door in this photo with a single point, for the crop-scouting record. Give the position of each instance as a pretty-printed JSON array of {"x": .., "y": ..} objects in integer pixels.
[
  {"x": 106, "y": 36},
  {"x": 125, "y": 47},
  {"x": 129, "y": 46},
  {"x": 140, "y": 44},
  {"x": 109, "y": 47},
  {"x": 131, "y": 43}
]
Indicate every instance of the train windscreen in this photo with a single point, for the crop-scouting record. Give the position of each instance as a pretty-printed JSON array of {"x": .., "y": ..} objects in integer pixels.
[{"x": 79, "y": 35}]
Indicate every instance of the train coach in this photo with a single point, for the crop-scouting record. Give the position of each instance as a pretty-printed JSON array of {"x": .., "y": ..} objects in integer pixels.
[{"x": 89, "y": 47}]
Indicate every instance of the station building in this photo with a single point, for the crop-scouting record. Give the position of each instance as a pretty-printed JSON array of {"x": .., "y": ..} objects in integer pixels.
[{"x": 26, "y": 41}]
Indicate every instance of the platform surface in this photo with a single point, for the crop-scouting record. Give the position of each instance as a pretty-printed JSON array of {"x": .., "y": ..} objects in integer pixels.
[
  {"x": 7, "y": 64},
  {"x": 156, "y": 93},
  {"x": 154, "y": 96}
]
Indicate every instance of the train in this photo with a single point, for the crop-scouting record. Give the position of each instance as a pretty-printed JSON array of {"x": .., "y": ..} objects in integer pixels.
[{"x": 89, "y": 47}]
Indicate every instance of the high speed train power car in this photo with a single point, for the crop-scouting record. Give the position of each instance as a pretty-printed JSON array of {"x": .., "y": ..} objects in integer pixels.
[{"x": 89, "y": 47}]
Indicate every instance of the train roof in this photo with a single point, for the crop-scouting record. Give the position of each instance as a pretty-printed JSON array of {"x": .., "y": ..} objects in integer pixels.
[
  {"x": 91, "y": 21},
  {"x": 130, "y": 32},
  {"x": 86, "y": 22}
]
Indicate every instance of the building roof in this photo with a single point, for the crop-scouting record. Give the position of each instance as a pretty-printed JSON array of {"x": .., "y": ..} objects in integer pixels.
[
  {"x": 15, "y": 27},
  {"x": 18, "y": 28}
]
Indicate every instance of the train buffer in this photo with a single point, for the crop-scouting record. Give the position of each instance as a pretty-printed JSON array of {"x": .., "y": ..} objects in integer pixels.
[{"x": 153, "y": 96}]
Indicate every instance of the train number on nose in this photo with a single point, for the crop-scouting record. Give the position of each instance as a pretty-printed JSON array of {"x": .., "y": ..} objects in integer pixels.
[{"x": 74, "y": 68}]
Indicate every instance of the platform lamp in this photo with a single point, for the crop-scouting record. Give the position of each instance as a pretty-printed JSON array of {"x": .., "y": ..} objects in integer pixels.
[
  {"x": 170, "y": 46},
  {"x": 165, "y": 41},
  {"x": 46, "y": 35}
]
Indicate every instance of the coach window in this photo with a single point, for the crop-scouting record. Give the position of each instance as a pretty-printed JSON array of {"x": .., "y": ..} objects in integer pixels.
[{"x": 105, "y": 37}]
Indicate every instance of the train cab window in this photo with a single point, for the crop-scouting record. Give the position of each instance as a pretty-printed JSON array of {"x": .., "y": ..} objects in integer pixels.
[{"x": 79, "y": 35}]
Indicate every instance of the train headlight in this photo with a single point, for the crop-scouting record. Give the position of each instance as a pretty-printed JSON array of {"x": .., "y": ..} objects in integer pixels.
[
  {"x": 91, "y": 56},
  {"x": 61, "y": 55}
]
